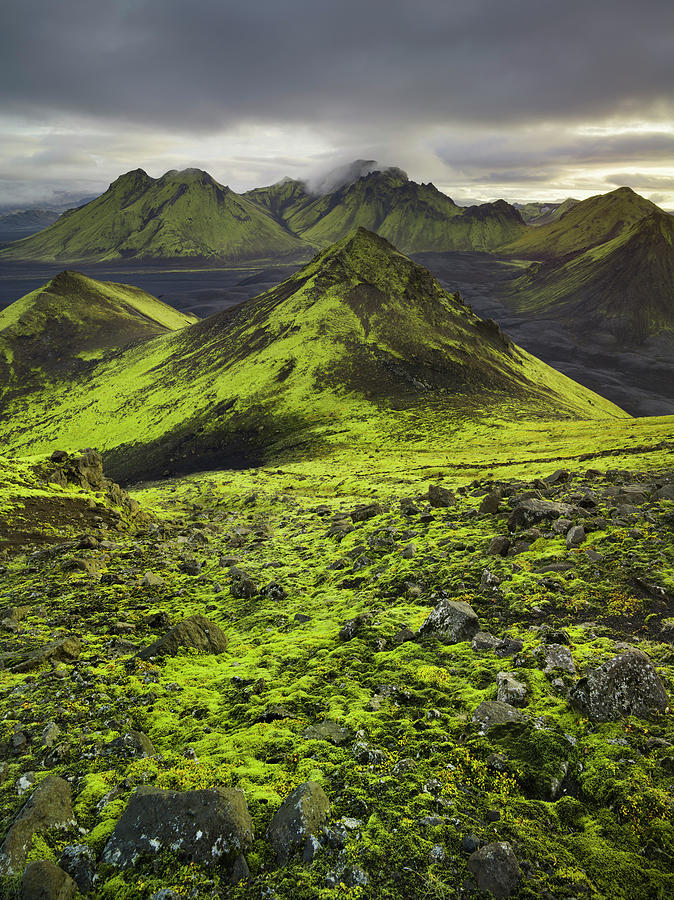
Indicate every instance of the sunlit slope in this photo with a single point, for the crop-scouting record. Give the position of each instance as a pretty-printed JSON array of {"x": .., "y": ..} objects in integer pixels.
[
  {"x": 625, "y": 286},
  {"x": 341, "y": 351},
  {"x": 73, "y": 319},
  {"x": 180, "y": 215},
  {"x": 414, "y": 217},
  {"x": 583, "y": 225}
]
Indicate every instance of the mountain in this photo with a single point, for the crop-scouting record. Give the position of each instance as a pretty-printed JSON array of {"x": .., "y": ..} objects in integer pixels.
[
  {"x": 179, "y": 215},
  {"x": 624, "y": 286},
  {"x": 543, "y": 213},
  {"x": 361, "y": 341},
  {"x": 586, "y": 224},
  {"x": 72, "y": 320},
  {"x": 281, "y": 199},
  {"x": 414, "y": 217}
]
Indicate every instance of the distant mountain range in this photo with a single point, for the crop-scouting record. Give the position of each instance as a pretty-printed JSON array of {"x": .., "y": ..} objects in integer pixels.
[{"x": 360, "y": 339}]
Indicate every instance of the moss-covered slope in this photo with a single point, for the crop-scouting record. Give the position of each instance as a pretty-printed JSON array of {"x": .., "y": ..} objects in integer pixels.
[
  {"x": 73, "y": 320},
  {"x": 180, "y": 215},
  {"x": 624, "y": 286},
  {"x": 345, "y": 346},
  {"x": 584, "y": 225}
]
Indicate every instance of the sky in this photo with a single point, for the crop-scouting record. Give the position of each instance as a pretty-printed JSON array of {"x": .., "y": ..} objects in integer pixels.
[{"x": 520, "y": 99}]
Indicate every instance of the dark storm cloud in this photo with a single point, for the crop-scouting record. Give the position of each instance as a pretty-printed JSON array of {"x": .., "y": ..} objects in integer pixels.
[{"x": 208, "y": 64}]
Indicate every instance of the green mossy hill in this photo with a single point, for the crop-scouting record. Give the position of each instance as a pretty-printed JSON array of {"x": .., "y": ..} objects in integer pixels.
[
  {"x": 281, "y": 199},
  {"x": 179, "y": 215},
  {"x": 624, "y": 286},
  {"x": 59, "y": 497},
  {"x": 354, "y": 344},
  {"x": 73, "y": 320},
  {"x": 585, "y": 225},
  {"x": 320, "y": 575},
  {"x": 414, "y": 217},
  {"x": 544, "y": 213}
]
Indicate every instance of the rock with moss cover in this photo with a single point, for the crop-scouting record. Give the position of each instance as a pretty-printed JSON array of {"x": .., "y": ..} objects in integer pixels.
[
  {"x": 48, "y": 808},
  {"x": 496, "y": 869},
  {"x": 194, "y": 633},
  {"x": 440, "y": 496},
  {"x": 43, "y": 880},
  {"x": 496, "y": 712},
  {"x": 204, "y": 826},
  {"x": 451, "y": 621},
  {"x": 130, "y": 745},
  {"x": 532, "y": 511},
  {"x": 626, "y": 685},
  {"x": 300, "y": 817}
]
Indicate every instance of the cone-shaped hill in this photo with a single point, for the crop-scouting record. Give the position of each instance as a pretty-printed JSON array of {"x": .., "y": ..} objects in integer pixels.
[
  {"x": 624, "y": 286},
  {"x": 583, "y": 225},
  {"x": 414, "y": 217},
  {"x": 180, "y": 215},
  {"x": 73, "y": 320},
  {"x": 356, "y": 345}
]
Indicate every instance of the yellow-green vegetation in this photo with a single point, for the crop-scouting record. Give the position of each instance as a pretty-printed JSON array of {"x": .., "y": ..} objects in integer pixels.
[
  {"x": 408, "y": 772},
  {"x": 180, "y": 215},
  {"x": 624, "y": 285},
  {"x": 361, "y": 345},
  {"x": 583, "y": 225},
  {"x": 414, "y": 217}
]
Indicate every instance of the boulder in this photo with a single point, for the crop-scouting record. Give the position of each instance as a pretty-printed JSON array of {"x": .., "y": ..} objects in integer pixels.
[
  {"x": 575, "y": 537},
  {"x": 485, "y": 641},
  {"x": 510, "y": 690},
  {"x": 42, "y": 880},
  {"x": 327, "y": 730},
  {"x": 130, "y": 745},
  {"x": 625, "y": 685},
  {"x": 242, "y": 586},
  {"x": 496, "y": 869},
  {"x": 195, "y": 632},
  {"x": 440, "y": 496},
  {"x": 451, "y": 621},
  {"x": 496, "y": 712},
  {"x": 490, "y": 502},
  {"x": 300, "y": 816},
  {"x": 532, "y": 510},
  {"x": 65, "y": 650},
  {"x": 204, "y": 826},
  {"x": 556, "y": 656},
  {"x": 499, "y": 545},
  {"x": 79, "y": 862},
  {"x": 49, "y": 807},
  {"x": 366, "y": 511}
]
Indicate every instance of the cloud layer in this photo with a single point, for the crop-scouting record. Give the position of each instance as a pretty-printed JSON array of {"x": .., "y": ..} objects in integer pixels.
[{"x": 476, "y": 94}]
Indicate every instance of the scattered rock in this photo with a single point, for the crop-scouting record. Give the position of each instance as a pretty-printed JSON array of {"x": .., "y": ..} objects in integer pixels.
[
  {"x": 485, "y": 641},
  {"x": 300, "y": 816},
  {"x": 531, "y": 511},
  {"x": 195, "y": 632},
  {"x": 556, "y": 656},
  {"x": 66, "y": 650},
  {"x": 496, "y": 869},
  {"x": 131, "y": 745},
  {"x": 440, "y": 496},
  {"x": 152, "y": 580},
  {"x": 451, "y": 621},
  {"x": 510, "y": 690},
  {"x": 495, "y": 712},
  {"x": 79, "y": 862},
  {"x": 327, "y": 730},
  {"x": 625, "y": 685},
  {"x": 499, "y": 545},
  {"x": 205, "y": 826},
  {"x": 42, "y": 880},
  {"x": 366, "y": 511},
  {"x": 575, "y": 537},
  {"x": 491, "y": 502},
  {"x": 242, "y": 586},
  {"x": 49, "y": 807}
]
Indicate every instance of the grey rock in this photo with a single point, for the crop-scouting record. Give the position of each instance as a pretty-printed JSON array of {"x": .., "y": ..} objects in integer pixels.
[
  {"x": 42, "y": 880},
  {"x": 242, "y": 586},
  {"x": 327, "y": 730},
  {"x": 49, "y": 807},
  {"x": 496, "y": 869},
  {"x": 628, "y": 684},
  {"x": 366, "y": 511},
  {"x": 556, "y": 656},
  {"x": 495, "y": 712},
  {"x": 439, "y": 496},
  {"x": 575, "y": 537},
  {"x": 205, "y": 826},
  {"x": 79, "y": 862},
  {"x": 451, "y": 621},
  {"x": 300, "y": 816},
  {"x": 531, "y": 511},
  {"x": 195, "y": 632},
  {"x": 130, "y": 745},
  {"x": 561, "y": 526},
  {"x": 499, "y": 545},
  {"x": 510, "y": 690},
  {"x": 485, "y": 641},
  {"x": 491, "y": 502}
]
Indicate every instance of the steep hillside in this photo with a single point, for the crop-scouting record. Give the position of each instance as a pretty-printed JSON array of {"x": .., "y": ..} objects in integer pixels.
[
  {"x": 281, "y": 199},
  {"x": 180, "y": 215},
  {"x": 73, "y": 320},
  {"x": 414, "y": 217},
  {"x": 544, "y": 213},
  {"x": 353, "y": 343},
  {"x": 624, "y": 286},
  {"x": 584, "y": 225}
]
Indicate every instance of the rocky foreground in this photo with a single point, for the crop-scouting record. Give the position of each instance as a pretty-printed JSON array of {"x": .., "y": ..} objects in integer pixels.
[{"x": 266, "y": 685}]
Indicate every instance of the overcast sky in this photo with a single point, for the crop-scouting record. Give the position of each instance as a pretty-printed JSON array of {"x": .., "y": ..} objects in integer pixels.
[{"x": 521, "y": 99}]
